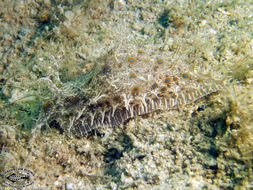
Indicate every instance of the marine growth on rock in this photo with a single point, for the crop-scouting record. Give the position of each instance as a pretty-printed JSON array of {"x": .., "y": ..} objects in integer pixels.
[{"x": 124, "y": 84}]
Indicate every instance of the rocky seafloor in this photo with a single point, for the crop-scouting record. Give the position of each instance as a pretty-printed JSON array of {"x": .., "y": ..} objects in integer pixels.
[{"x": 207, "y": 144}]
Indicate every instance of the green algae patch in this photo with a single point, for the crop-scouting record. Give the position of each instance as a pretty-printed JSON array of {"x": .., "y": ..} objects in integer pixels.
[{"x": 26, "y": 111}]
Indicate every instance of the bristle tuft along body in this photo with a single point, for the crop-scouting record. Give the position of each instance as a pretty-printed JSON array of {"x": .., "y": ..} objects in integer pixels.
[{"x": 124, "y": 86}]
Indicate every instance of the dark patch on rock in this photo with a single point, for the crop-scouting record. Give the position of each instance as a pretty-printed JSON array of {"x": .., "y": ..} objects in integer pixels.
[
  {"x": 164, "y": 19},
  {"x": 113, "y": 154},
  {"x": 54, "y": 124}
]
